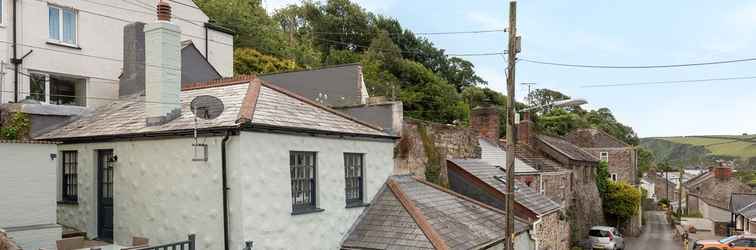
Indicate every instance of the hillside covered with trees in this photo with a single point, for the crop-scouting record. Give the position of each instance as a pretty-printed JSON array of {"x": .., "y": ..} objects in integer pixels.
[{"x": 396, "y": 63}]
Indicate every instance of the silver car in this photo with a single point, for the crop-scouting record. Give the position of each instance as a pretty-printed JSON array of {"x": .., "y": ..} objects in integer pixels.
[{"x": 606, "y": 238}]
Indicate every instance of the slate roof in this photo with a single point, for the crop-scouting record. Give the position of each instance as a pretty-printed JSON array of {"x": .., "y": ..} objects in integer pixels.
[
  {"x": 412, "y": 214},
  {"x": 338, "y": 85},
  {"x": 594, "y": 138},
  {"x": 494, "y": 155},
  {"x": 247, "y": 102},
  {"x": 535, "y": 159},
  {"x": 567, "y": 149},
  {"x": 743, "y": 204},
  {"x": 526, "y": 196}
]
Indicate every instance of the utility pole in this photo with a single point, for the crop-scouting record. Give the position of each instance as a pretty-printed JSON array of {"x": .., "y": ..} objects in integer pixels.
[
  {"x": 511, "y": 142},
  {"x": 680, "y": 190}
]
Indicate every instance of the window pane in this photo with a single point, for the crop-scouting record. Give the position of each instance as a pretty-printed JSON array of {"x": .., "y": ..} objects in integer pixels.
[
  {"x": 67, "y": 91},
  {"x": 353, "y": 177},
  {"x": 69, "y": 26},
  {"x": 303, "y": 177},
  {"x": 37, "y": 87},
  {"x": 53, "y": 15}
]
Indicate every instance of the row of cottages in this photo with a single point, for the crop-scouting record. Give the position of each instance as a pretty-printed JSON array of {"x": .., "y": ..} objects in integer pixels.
[
  {"x": 551, "y": 166},
  {"x": 274, "y": 165},
  {"x": 64, "y": 58},
  {"x": 620, "y": 157},
  {"x": 710, "y": 195}
]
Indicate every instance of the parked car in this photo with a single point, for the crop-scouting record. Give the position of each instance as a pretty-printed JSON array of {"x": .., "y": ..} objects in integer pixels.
[
  {"x": 738, "y": 242},
  {"x": 602, "y": 237}
]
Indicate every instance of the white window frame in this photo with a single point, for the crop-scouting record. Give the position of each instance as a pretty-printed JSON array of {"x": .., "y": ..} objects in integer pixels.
[
  {"x": 59, "y": 40},
  {"x": 48, "y": 86},
  {"x": 604, "y": 156},
  {"x": 613, "y": 176}
]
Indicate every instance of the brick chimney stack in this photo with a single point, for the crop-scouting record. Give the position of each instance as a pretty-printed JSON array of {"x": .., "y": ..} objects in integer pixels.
[
  {"x": 485, "y": 120},
  {"x": 525, "y": 129},
  {"x": 163, "y": 68},
  {"x": 722, "y": 171}
]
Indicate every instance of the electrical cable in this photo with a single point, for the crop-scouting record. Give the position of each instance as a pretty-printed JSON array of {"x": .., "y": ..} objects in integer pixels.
[
  {"x": 637, "y": 66},
  {"x": 668, "y": 82}
]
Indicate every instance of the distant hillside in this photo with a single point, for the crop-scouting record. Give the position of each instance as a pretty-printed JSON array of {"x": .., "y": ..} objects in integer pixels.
[{"x": 704, "y": 149}]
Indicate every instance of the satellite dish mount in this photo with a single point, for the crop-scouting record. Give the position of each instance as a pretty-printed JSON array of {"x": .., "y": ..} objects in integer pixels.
[{"x": 204, "y": 107}]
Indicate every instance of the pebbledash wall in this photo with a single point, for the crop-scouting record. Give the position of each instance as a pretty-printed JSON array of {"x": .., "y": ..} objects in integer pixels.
[
  {"x": 161, "y": 194},
  {"x": 266, "y": 199},
  {"x": 27, "y": 193},
  {"x": 158, "y": 191}
]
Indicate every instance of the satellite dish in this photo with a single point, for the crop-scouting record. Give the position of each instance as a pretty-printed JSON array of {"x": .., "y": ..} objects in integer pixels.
[{"x": 206, "y": 107}]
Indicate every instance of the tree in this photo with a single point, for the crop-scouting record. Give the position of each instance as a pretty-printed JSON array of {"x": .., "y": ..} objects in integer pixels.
[
  {"x": 602, "y": 179},
  {"x": 253, "y": 27},
  {"x": 544, "y": 97},
  {"x": 621, "y": 202},
  {"x": 559, "y": 122},
  {"x": 251, "y": 61},
  {"x": 645, "y": 160}
]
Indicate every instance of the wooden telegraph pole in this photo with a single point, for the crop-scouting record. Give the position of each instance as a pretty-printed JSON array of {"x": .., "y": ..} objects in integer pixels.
[{"x": 511, "y": 143}]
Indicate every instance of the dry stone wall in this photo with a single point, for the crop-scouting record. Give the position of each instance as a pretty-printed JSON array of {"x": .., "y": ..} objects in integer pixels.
[{"x": 424, "y": 148}]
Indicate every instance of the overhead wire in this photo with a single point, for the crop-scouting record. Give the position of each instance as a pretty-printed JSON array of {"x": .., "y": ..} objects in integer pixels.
[
  {"x": 668, "y": 82},
  {"x": 637, "y": 66}
]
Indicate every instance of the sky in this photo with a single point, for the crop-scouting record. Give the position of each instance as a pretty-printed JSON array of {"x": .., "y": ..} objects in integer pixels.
[{"x": 609, "y": 33}]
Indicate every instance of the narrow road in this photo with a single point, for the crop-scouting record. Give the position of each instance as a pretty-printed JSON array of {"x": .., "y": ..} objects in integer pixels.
[{"x": 657, "y": 234}]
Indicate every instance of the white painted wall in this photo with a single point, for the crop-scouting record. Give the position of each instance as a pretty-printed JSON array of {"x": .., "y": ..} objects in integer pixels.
[
  {"x": 100, "y": 38},
  {"x": 265, "y": 186},
  {"x": 713, "y": 213},
  {"x": 27, "y": 194},
  {"x": 159, "y": 192}
]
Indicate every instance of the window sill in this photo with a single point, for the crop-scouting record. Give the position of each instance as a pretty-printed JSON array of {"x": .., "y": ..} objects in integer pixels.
[
  {"x": 68, "y": 202},
  {"x": 70, "y": 46},
  {"x": 307, "y": 211},
  {"x": 361, "y": 204}
]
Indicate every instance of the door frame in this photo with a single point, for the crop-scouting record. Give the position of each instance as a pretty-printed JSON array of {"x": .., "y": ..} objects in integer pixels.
[{"x": 98, "y": 181}]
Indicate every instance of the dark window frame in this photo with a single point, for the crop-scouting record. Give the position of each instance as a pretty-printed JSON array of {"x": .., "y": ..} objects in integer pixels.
[
  {"x": 70, "y": 175},
  {"x": 303, "y": 182},
  {"x": 354, "y": 188}
]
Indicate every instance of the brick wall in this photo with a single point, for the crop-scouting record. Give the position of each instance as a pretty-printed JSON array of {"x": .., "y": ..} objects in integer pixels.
[
  {"x": 485, "y": 120},
  {"x": 447, "y": 142}
]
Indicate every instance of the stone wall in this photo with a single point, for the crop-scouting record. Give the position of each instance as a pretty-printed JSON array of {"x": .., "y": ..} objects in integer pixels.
[
  {"x": 586, "y": 209},
  {"x": 553, "y": 233},
  {"x": 558, "y": 187},
  {"x": 621, "y": 162},
  {"x": 424, "y": 144}
]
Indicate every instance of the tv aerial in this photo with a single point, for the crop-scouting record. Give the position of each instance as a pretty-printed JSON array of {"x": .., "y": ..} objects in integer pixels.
[{"x": 205, "y": 107}]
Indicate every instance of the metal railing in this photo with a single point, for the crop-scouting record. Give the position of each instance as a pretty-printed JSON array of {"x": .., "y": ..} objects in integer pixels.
[{"x": 188, "y": 244}]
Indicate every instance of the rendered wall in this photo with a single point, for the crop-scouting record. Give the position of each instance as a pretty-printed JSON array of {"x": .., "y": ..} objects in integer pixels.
[
  {"x": 266, "y": 186},
  {"x": 100, "y": 41},
  {"x": 27, "y": 194},
  {"x": 159, "y": 192}
]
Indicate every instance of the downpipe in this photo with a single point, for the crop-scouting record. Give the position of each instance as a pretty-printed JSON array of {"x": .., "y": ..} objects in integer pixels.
[{"x": 225, "y": 189}]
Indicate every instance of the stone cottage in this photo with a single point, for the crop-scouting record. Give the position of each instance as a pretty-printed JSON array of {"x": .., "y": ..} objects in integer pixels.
[
  {"x": 268, "y": 166},
  {"x": 620, "y": 157},
  {"x": 709, "y": 194},
  {"x": 486, "y": 183}
]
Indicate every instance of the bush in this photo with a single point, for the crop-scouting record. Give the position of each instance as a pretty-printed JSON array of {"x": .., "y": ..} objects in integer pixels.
[
  {"x": 16, "y": 128},
  {"x": 664, "y": 202},
  {"x": 622, "y": 201}
]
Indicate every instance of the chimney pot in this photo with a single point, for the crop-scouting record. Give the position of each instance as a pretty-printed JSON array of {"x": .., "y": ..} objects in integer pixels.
[{"x": 164, "y": 11}]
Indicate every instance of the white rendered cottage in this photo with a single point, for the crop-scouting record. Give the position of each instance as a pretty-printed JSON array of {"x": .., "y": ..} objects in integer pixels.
[{"x": 285, "y": 171}]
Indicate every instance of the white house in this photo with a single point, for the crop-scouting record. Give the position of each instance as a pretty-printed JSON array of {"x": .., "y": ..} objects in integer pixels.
[
  {"x": 70, "y": 52},
  {"x": 27, "y": 190},
  {"x": 272, "y": 167}
]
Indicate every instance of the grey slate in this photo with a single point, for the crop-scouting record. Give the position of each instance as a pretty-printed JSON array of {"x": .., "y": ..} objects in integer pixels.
[
  {"x": 274, "y": 108},
  {"x": 494, "y": 155},
  {"x": 568, "y": 149},
  {"x": 342, "y": 84},
  {"x": 526, "y": 196}
]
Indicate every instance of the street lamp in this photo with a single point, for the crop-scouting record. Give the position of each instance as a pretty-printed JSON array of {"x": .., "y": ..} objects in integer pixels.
[{"x": 563, "y": 103}]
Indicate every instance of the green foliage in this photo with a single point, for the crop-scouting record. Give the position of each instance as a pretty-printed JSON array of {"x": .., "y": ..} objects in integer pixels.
[
  {"x": 17, "y": 127},
  {"x": 559, "y": 122},
  {"x": 433, "y": 166},
  {"x": 664, "y": 202},
  {"x": 428, "y": 97},
  {"x": 621, "y": 201},
  {"x": 253, "y": 27},
  {"x": 342, "y": 57},
  {"x": 602, "y": 179},
  {"x": 645, "y": 160},
  {"x": 251, "y": 61}
]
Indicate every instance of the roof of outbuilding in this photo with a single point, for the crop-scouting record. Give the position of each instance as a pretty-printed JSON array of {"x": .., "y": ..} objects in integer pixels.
[
  {"x": 567, "y": 149},
  {"x": 490, "y": 174},
  {"x": 594, "y": 138},
  {"x": 494, "y": 155},
  {"x": 744, "y": 204},
  {"x": 409, "y": 213},
  {"x": 336, "y": 85},
  {"x": 247, "y": 101}
]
